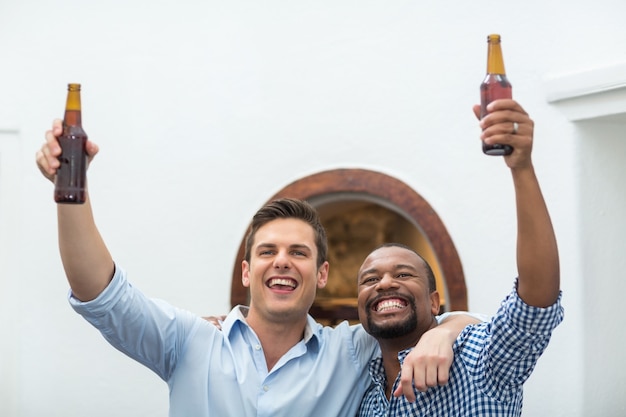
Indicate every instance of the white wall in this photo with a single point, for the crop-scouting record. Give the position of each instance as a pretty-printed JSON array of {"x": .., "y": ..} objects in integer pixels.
[
  {"x": 204, "y": 109},
  {"x": 602, "y": 207}
]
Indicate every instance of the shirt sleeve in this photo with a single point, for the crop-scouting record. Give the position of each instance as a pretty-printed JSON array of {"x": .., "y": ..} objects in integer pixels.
[
  {"x": 502, "y": 353},
  {"x": 477, "y": 316},
  {"x": 150, "y": 331}
]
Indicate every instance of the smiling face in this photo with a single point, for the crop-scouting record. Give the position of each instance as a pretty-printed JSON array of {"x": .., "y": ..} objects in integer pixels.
[
  {"x": 394, "y": 294},
  {"x": 282, "y": 272}
]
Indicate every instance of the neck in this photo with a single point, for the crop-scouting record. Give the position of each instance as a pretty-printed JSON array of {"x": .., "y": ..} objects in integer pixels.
[
  {"x": 276, "y": 337},
  {"x": 390, "y": 349}
]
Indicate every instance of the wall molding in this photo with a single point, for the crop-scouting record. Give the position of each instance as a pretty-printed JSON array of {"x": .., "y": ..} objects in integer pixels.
[{"x": 590, "y": 94}]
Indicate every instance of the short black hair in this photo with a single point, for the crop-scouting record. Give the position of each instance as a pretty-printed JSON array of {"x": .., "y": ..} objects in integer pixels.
[{"x": 432, "y": 283}]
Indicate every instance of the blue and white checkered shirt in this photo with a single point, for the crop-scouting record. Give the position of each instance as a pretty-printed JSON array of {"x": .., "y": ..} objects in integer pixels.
[{"x": 492, "y": 360}]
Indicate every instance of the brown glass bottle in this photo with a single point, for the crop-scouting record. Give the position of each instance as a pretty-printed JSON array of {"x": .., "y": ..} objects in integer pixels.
[
  {"x": 71, "y": 175},
  {"x": 495, "y": 86}
]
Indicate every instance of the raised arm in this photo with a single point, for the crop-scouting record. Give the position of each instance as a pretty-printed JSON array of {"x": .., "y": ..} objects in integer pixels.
[
  {"x": 87, "y": 262},
  {"x": 537, "y": 252}
]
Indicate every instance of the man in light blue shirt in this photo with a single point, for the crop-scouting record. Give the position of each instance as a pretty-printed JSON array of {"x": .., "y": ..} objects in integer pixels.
[
  {"x": 271, "y": 359},
  {"x": 224, "y": 373}
]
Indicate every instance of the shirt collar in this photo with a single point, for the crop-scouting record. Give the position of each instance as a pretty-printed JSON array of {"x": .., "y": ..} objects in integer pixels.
[
  {"x": 237, "y": 317},
  {"x": 402, "y": 355},
  {"x": 377, "y": 370}
]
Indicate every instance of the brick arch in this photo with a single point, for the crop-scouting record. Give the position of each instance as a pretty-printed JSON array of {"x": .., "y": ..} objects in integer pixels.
[{"x": 362, "y": 184}]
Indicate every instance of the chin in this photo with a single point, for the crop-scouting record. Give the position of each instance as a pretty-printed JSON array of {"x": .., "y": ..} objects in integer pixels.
[{"x": 392, "y": 328}]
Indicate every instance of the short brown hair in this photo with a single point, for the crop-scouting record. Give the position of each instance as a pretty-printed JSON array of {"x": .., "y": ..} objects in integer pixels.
[{"x": 289, "y": 208}]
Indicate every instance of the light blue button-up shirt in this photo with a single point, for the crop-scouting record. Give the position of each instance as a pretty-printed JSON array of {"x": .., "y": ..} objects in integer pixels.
[{"x": 224, "y": 373}]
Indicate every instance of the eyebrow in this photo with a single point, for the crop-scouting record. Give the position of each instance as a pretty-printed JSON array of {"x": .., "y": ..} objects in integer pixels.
[
  {"x": 301, "y": 246},
  {"x": 395, "y": 268}
]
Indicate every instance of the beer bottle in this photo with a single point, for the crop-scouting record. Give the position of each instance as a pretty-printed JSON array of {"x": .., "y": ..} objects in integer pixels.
[
  {"x": 494, "y": 86},
  {"x": 71, "y": 177}
]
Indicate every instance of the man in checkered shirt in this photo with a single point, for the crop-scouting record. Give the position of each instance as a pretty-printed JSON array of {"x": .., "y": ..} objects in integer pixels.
[{"x": 398, "y": 302}]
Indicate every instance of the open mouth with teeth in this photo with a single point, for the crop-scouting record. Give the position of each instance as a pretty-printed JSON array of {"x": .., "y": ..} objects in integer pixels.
[
  {"x": 389, "y": 305},
  {"x": 282, "y": 284}
]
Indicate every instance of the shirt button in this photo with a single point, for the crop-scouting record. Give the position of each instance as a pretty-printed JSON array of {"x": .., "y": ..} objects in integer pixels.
[
  {"x": 257, "y": 347},
  {"x": 266, "y": 388}
]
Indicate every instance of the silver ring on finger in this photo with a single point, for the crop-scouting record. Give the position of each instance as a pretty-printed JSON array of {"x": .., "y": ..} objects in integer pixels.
[{"x": 515, "y": 128}]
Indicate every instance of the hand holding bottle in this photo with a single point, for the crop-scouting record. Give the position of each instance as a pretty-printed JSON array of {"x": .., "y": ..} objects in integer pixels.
[
  {"x": 48, "y": 156},
  {"x": 507, "y": 123}
]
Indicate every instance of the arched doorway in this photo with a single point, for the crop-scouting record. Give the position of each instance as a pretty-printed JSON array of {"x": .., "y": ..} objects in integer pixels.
[{"x": 361, "y": 209}]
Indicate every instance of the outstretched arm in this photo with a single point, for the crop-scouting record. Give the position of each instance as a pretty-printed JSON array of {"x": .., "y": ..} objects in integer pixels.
[
  {"x": 537, "y": 252},
  {"x": 87, "y": 262}
]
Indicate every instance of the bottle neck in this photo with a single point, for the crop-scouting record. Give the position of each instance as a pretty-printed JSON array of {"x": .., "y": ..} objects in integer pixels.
[
  {"x": 73, "y": 115},
  {"x": 495, "y": 62},
  {"x": 73, "y": 118}
]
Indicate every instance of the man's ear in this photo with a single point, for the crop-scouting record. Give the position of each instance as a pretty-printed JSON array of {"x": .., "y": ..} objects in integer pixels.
[
  {"x": 435, "y": 302},
  {"x": 322, "y": 275},
  {"x": 245, "y": 274}
]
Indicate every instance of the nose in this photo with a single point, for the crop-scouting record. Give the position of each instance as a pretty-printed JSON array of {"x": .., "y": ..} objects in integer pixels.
[
  {"x": 281, "y": 261},
  {"x": 386, "y": 282}
]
